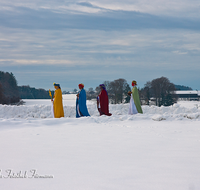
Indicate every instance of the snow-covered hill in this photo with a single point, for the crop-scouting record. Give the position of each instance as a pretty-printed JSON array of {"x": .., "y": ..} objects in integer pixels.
[
  {"x": 42, "y": 109},
  {"x": 159, "y": 149}
]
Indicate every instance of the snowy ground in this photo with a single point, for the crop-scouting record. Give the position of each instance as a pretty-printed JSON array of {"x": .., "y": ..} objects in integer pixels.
[{"x": 159, "y": 150}]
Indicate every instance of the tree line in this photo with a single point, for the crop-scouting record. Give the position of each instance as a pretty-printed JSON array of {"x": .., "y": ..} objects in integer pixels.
[
  {"x": 160, "y": 91},
  {"x": 11, "y": 93},
  {"x": 27, "y": 92},
  {"x": 117, "y": 91}
]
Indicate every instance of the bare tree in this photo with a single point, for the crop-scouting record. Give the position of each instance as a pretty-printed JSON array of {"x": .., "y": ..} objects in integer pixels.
[
  {"x": 163, "y": 91},
  {"x": 91, "y": 94},
  {"x": 117, "y": 90},
  {"x": 74, "y": 91},
  {"x": 160, "y": 89},
  {"x": 145, "y": 93}
]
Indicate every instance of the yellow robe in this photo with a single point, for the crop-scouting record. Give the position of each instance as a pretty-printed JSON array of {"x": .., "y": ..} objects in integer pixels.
[{"x": 57, "y": 104}]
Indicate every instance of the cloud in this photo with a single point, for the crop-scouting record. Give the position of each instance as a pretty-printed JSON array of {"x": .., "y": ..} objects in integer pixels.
[
  {"x": 93, "y": 41},
  {"x": 19, "y": 62},
  {"x": 22, "y": 17},
  {"x": 178, "y": 8},
  {"x": 180, "y": 53},
  {"x": 88, "y": 47}
]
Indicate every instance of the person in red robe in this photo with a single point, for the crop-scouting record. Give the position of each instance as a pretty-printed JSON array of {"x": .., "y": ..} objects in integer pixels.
[{"x": 102, "y": 101}]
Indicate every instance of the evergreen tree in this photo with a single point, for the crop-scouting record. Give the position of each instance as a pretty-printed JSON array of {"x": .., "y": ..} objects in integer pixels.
[
  {"x": 126, "y": 90},
  {"x": 9, "y": 86},
  {"x": 2, "y": 98}
]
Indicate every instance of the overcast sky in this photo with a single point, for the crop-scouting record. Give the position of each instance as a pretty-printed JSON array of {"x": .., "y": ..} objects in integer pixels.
[{"x": 72, "y": 42}]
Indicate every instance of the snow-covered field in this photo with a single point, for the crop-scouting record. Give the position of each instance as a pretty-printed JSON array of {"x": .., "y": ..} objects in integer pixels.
[{"x": 157, "y": 150}]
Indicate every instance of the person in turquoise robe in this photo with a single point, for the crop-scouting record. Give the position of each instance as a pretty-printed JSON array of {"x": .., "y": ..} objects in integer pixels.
[{"x": 81, "y": 108}]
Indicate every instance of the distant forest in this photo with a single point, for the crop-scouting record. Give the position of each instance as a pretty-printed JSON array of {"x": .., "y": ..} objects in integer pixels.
[
  {"x": 27, "y": 92},
  {"x": 181, "y": 87},
  {"x": 11, "y": 93}
]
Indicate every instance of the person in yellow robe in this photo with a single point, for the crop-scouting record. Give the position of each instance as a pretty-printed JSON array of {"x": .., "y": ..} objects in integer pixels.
[{"x": 57, "y": 102}]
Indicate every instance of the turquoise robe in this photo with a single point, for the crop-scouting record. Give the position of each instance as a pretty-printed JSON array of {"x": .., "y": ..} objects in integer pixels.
[{"x": 81, "y": 108}]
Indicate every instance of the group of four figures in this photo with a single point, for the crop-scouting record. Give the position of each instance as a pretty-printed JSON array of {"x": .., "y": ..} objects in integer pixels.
[{"x": 102, "y": 101}]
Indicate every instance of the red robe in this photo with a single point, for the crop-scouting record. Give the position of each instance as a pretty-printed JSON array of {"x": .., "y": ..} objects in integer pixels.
[{"x": 103, "y": 98}]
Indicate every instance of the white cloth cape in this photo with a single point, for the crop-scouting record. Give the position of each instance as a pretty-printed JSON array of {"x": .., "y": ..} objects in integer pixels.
[
  {"x": 52, "y": 110},
  {"x": 132, "y": 107}
]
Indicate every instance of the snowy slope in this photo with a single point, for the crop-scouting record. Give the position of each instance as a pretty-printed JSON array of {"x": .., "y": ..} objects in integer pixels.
[
  {"x": 159, "y": 150},
  {"x": 42, "y": 109}
]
